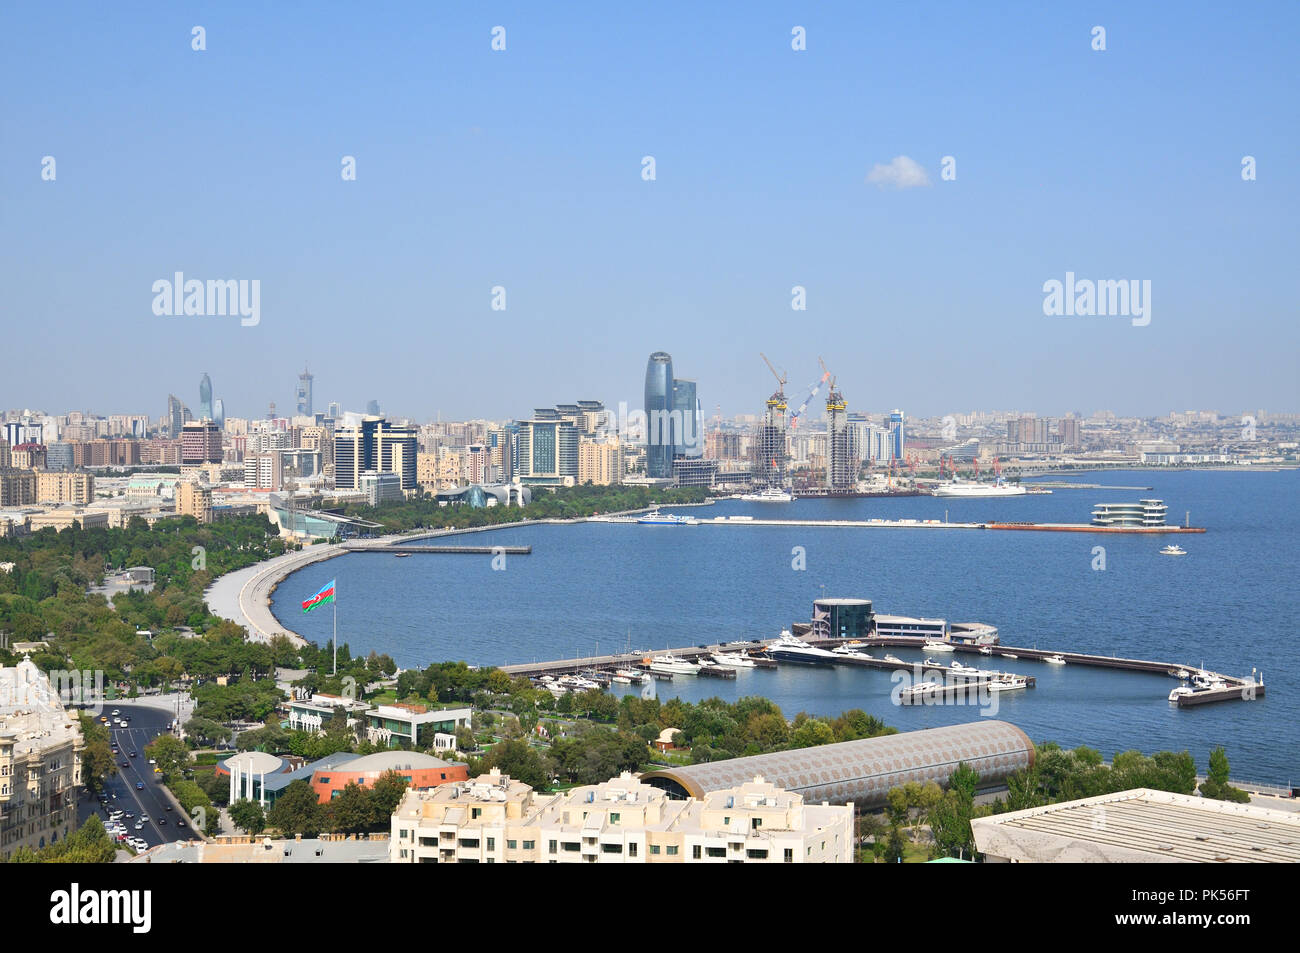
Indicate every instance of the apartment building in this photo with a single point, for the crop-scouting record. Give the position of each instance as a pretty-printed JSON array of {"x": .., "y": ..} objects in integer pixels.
[
  {"x": 40, "y": 761},
  {"x": 495, "y": 819},
  {"x": 600, "y": 463},
  {"x": 194, "y": 499},
  {"x": 78, "y": 488},
  {"x": 17, "y": 487}
]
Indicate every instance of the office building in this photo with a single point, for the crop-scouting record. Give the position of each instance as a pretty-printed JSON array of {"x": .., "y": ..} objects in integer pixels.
[
  {"x": 303, "y": 394},
  {"x": 548, "y": 450},
  {"x": 687, "y": 420},
  {"x": 375, "y": 444},
  {"x": 842, "y": 619},
  {"x": 205, "y": 398},
  {"x": 898, "y": 436},
  {"x": 381, "y": 487},
  {"x": 660, "y": 433},
  {"x": 200, "y": 443},
  {"x": 40, "y": 760},
  {"x": 264, "y": 471},
  {"x": 60, "y": 457}
]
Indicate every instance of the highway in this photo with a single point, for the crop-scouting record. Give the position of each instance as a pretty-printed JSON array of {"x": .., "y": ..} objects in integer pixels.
[{"x": 146, "y": 724}]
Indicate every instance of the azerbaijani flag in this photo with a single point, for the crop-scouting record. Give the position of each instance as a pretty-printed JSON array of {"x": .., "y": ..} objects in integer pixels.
[{"x": 325, "y": 595}]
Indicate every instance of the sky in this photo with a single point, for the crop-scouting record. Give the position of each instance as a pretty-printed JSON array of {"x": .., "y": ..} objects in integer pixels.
[{"x": 522, "y": 169}]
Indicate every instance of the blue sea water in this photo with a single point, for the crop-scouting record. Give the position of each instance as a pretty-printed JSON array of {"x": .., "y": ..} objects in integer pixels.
[{"x": 1229, "y": 604}]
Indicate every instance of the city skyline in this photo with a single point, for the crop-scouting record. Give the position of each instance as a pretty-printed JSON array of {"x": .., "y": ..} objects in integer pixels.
[{"x": 780, "y": 175}]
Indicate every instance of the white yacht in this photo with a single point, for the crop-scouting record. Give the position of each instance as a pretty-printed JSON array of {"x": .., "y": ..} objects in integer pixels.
[
  {"x": 772, "y": 494},
  {"x": 631, "y": 675},
  {"x": 986, "y": 650},
  {"x": 670, "y": 665},
  {"x": 893, "y": 660},
  {"x": 1173, "y": 549},
  {"x": 733, "y": 660},
  {"x": 1010, "y": 655},
  {"x": 971, "y": 488},
  {"x": 1005, "y": 682},
  {"x": 933, "y": 646},
  {"x": 655, "y": 518},
  {"x": 849, "y": 651},
  {"x": 789, "y": 649},
  {"x": 1054, "y": 660},
  {"x": 961, "y": 669},
  {"x": 1180, "y": 691}
]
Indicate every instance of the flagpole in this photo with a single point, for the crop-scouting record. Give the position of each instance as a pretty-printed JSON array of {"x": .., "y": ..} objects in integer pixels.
[{"x": 335, "y": 601}]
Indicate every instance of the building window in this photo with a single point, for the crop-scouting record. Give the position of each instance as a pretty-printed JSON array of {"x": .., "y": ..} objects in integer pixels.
[
  {"x": 672, "y": 851},
  {"x": 654, "y": 848},
  {"x": 789, "y": 855},
  {"x": 611, "y": 848},
  {"x": 551, "y": 847},
  {"x": 475, "y": 813},
  {"x": 726, "y": 821},
  {"x": 614, "y": 818},
  {"x": 631, "y": 850},
  {"x": 492, "y": 843},
  {"x": 511, "y": 844},
  {"x": 571, "y": 845},
  {"x": 756, "y": 823},
  {"x": 695, "y": 852},
  {"x": 756, "y": 854},
  {"x": 714, "y": 852},
  {"x": 530, "y": 844}
]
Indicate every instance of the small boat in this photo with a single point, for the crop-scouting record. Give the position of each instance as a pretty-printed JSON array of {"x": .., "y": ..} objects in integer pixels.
[
  {"x": 986, "y": 650},
  {"x": 1010, "y": 655},
  {"x": 961, "y": 669},
  {"x": 1173, "y": 550},
  {"x": 931, "y": 663},
  {"x": 1054, "y": 660},
  {"x": 632, "y": 676},
  {"x": 621, "y": 680},
  {"x": 1180, "y": 691},
  {"x": 932, "y": 646},
  {"x": 894, "y": 659},
  {"x": 848, "y": 652},
  {"x": 402, "y": 555}
]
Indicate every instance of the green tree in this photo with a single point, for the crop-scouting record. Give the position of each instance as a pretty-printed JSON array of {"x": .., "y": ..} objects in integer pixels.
[
  {"x": 248, "y": 816},
  {"x": 297, "y": 811},
  {"x": 352, "y": 811},
  {"x": 386, "y": 793}
]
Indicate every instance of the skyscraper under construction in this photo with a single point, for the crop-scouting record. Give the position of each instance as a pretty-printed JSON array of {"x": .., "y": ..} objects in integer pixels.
[
  {"x": 841, "y": 464},
  {"x": 770, "y": 456}
]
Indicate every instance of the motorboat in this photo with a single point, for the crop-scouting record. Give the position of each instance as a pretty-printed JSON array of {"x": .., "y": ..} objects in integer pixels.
[
  {"x": 894, "y": 660},
  {"x": 849, "y": 652},
  {"x": 961, "y": 669},
  {"x": 1180, "y": 692},
  {"x": 970, "y": 488},
  {"x": 632, "y": 676},
  {"x": 1010, "y": 655},
  {"x": 671, "y": 665},
  {"x": 1173, "y": 550},
  {"x": 1007, "y": 683},
  {"x": 1054, "y": 660},
  {"x": 733, "y": 660},
  {"x": 933, "y": 646},
  {"x": 986, "y": 650},
  {"x": 787, "y": 648}
]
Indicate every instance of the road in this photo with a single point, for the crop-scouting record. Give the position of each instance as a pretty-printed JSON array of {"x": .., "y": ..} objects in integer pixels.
[{"x": 147, "y": 723}]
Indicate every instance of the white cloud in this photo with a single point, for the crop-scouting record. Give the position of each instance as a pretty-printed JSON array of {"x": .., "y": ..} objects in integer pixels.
[{"x": 900, "y": 173}]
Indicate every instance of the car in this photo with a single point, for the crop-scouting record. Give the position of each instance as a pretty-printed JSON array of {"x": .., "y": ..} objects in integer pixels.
[
  {"x": 133, "y": 754},
  {"x": 168, "y": 807},
  {"x": 116, "y": 712},
  {"x": 162, "y": 820},
  {"x": 157, "y": 770},
  {"x": 103, "y": 719},
  {"x": 126, "y": 764},
  {"x": 153, "y": 761},
  {"x": 139, "y": 785},
  {"x": 180, "y": 823}
]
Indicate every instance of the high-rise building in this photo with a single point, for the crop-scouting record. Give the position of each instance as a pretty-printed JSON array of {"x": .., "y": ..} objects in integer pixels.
[
  {"x": 200, "y": 443},
  {"x": 264, "y": 471},
  {"x": 688, "y": 419},
  {"x": 65, "y": 488},
  {"x": 372, "y": 408},
  {"x": 304, "y": 393},
  {"x": 334, "y": 411},
  {"x": 1069, "y": 431},
  {"x": 548, "y": 449},
  {"x": 770, "y": 452},
  {"x": 219, "y": 413},
  {"x": 841, "y": 466},
  {"x": 205, "y": 398},
  {"x": 375, "y": 444},
  {"x": 600, "y": 463},
  {"x": 897, "y": 435},
  {"x": 660, "y": 433},
  {"x": 177, "y": 414}
]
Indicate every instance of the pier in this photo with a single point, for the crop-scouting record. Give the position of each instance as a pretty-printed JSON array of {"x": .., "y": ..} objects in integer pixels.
[
  {"x": 921, "y": 524},
  {"x": 1235, "y": 688},
  {"x": 411, "y": 549}
]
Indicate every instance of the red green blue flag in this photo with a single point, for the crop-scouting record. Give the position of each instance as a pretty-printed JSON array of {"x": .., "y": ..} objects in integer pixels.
[{"x": 325, "y": 595}]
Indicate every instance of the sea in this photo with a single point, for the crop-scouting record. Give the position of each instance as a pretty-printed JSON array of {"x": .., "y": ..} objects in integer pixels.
[{"x": 593, "y": 588}]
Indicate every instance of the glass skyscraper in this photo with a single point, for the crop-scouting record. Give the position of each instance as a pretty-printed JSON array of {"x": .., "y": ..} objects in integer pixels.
[
  {"x": 688, "y": 420},
  {"x": 660, "y": 436},
  {"x": 205, "y": 398}
]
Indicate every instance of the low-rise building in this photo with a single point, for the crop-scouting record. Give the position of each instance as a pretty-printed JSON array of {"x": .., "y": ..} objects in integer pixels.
[{"x": 495, "y": 819}]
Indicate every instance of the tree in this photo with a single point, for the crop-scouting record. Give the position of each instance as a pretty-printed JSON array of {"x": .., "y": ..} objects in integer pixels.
[
  {"x": 519, "y": 760},
  {"x": 1216, "y": 785},
  {"x": 171, "y": 754},
  {"x": 248, "y": 816},
  {"x": 386, "y": 793},
  {"x": 352, "y": 811},
  {"x": 297, "y": 811}
]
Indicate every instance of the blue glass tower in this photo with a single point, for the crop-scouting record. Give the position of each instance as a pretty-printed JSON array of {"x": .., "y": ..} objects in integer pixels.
[{"x": 660, "y": 437}]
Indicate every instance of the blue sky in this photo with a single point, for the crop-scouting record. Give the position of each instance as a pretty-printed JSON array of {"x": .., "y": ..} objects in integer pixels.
[{"x": 522, "y": 169}]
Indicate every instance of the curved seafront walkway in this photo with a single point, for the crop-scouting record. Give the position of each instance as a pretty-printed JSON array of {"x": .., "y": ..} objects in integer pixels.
[{"x": 244, "y": 596}]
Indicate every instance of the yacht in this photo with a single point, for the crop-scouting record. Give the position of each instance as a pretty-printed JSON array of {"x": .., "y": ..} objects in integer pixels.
[
  {"x": 772, "y": 494},
  {"x": 1007, "y": 683},
  {"x": 1173, "y": 549},
  {"x": 932, "y": 646},
  {"x": 672, "y": 666},
  {"x": 789, "y": 649},
  {"x": 971, "y": 488},
  {"x": 985, "y": 650},
  {"x": 655, "y": 518},
  {"x": 1180, "y": 691},
  {"x": 1054, "y": 660},
  {"x": 632, "y": 676},
  {"x": 1010, "y": 655},
  {"x": 894, "y": 660},
  {"x": 849, "y": 651},
  {"x": 733, "y": 660},
  {"x": 961, "y": 669}
]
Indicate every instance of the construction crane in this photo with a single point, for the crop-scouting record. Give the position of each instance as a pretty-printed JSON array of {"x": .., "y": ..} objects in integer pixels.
[
  {"x": 812, "y": 392},
  {"x": 780, "y": 378}
]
